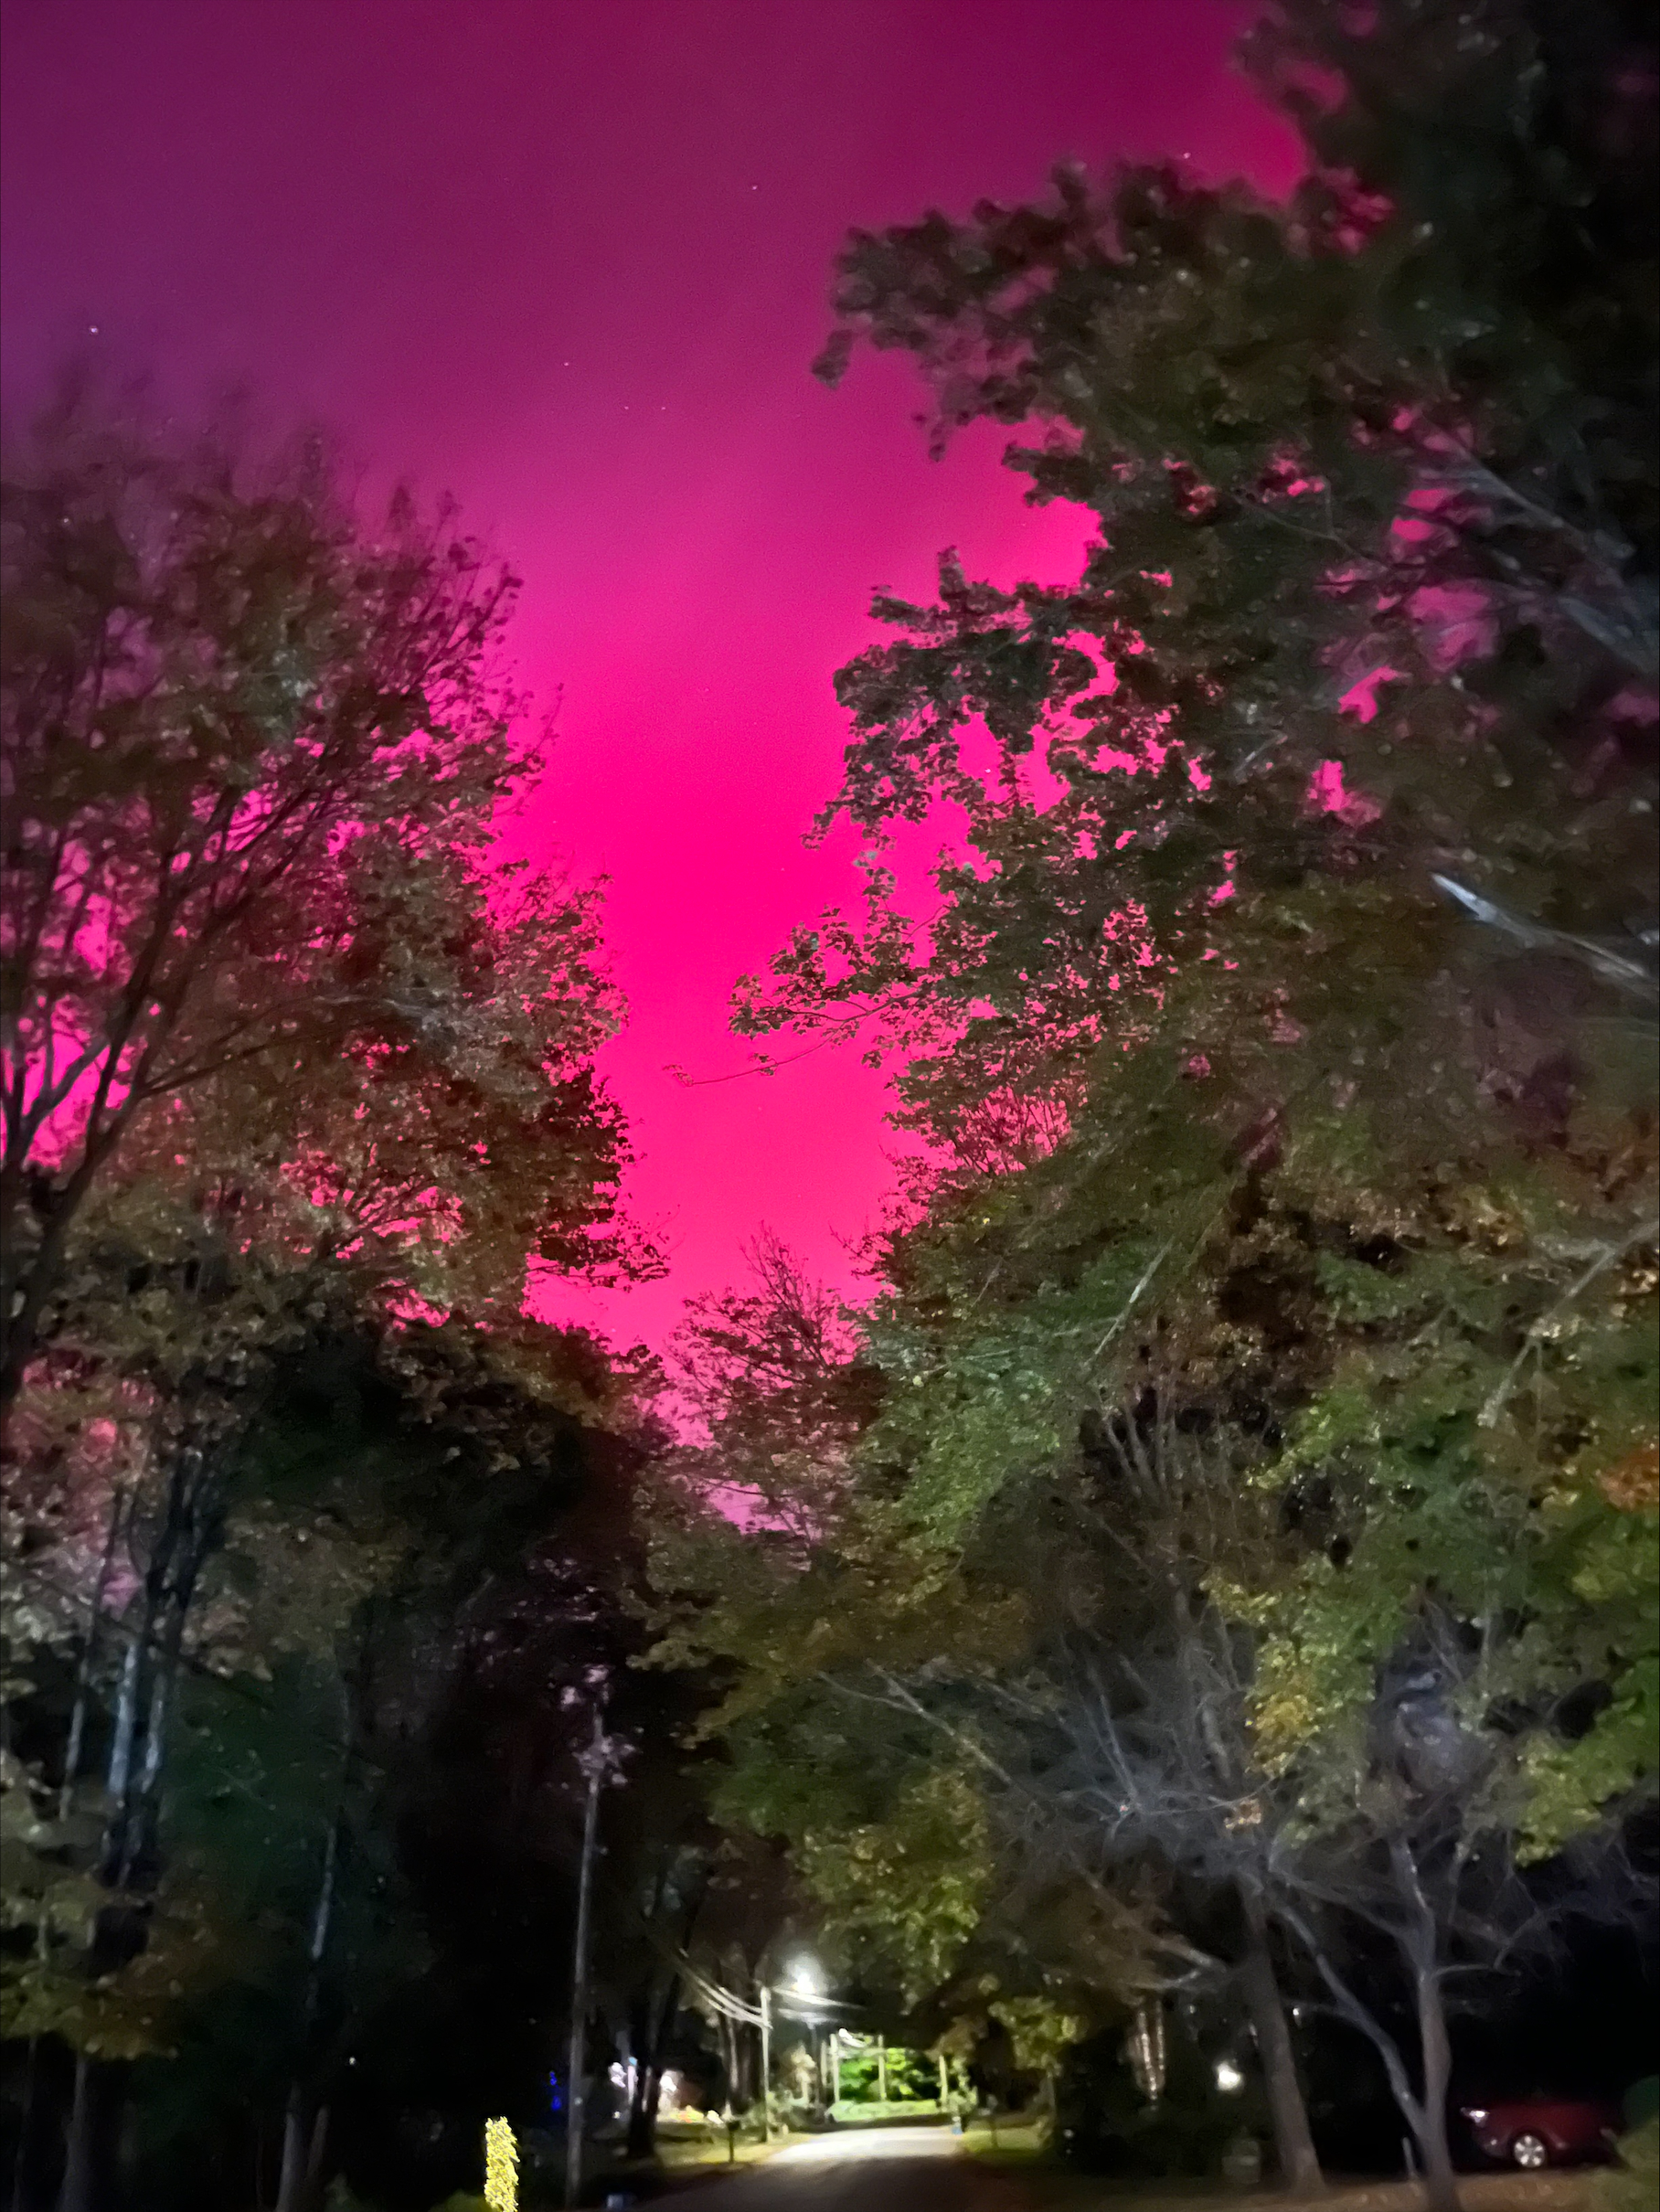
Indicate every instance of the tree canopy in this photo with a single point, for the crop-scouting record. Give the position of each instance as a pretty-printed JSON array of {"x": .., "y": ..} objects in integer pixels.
[{"x": 1278, "y": 1047}]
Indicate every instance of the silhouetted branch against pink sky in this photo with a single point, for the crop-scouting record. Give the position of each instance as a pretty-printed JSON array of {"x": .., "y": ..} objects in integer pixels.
[{"x": 571, "y": 264}]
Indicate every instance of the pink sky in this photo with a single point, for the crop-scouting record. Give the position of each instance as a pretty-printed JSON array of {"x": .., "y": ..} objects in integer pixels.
[{"x": 570, "y": 262}]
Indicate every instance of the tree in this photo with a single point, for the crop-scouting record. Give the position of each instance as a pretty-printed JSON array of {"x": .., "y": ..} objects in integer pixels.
[
  {"x": 363, "y": 1491},
  {"x": 1126, "y": 1729},
  {"x": 769, "y": 1393},
  {"x": 1268, "y": 1046},
  {"x": 1403, "y": 423},
  {"x": 254, "y": 750},
  {"x": 282, "y": 1052},
  {"x": 800, "y": 1616},
  {"x": 1191, "y": 990},
  {"x": 1281, "y": 418},
  {"x": 475, "y": 1533}
]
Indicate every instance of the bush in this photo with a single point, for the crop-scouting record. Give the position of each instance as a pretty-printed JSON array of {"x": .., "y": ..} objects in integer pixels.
[
  {"x": 1104, "y": 2125},
  {"x": 341, "y": 2198},
  {"x": 1634, "y": 2185},
  {"x": 851, "y": 2112}
]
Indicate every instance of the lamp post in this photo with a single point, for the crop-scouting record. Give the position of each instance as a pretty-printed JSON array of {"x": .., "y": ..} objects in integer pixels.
[{"x": 576, "y": 2103}]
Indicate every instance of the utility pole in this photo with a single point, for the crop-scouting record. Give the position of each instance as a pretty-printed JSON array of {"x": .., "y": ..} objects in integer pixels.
[
  {"x": 766, "y": 2064},
  {"x": 576, "y": 2103}
]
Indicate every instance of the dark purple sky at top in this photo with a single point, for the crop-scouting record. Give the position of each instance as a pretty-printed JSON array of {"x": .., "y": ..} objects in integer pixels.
[{"x": 570, "y": 262}]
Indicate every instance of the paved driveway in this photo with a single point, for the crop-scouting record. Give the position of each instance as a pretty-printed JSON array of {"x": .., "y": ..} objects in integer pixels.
[{"x": 866, "y": 2170}]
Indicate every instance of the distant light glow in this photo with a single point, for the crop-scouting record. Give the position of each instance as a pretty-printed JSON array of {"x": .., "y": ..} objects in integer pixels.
[
  {"x": 806, "y": 1979},
  {"x": 1229, "y": 2078}
]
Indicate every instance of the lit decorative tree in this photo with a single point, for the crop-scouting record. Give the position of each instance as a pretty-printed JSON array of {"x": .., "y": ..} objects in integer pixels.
[{"x": 501, "y": 2168}]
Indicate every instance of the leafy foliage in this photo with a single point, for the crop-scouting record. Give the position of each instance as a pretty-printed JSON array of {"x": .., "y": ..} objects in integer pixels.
[
  {"x": 1278, "y": 1050},
  {"x": 254, "y": 750}
]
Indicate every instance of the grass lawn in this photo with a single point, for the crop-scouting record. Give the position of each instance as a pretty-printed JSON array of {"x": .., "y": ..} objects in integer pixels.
[
  {"x": 697, "y": 2147},
  {"x": 1568, "y": 2192},
  {"x": 1023, "y": 2151},
  {"x": 1009, "y": 2143}
]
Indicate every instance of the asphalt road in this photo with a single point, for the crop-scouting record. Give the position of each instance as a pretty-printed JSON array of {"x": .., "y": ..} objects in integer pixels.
[{"x": 866, "y": 2170}]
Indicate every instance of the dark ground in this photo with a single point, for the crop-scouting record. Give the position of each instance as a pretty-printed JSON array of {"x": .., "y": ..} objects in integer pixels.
[{"x": 918, "y": 2171}]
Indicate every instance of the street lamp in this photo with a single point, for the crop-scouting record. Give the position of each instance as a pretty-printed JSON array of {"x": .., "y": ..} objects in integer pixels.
[{"x": 806, "y": 1979}]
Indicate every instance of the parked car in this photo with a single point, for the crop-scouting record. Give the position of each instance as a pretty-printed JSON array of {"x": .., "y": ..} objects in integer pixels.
[{"x": 1535, "y": 2131}]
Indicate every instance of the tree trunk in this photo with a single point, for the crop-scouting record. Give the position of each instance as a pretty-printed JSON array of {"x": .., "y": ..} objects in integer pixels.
[
  {"x": 1420, "y": 1948},
  {"x": 23, "y": 2162},
  {"x": 126, "y": 1727},
  {"x": 115, "y": 1862},
  {"x": 100, "y": 2087},
  {"x": 291, "y": 2182},
  {"x": 302, "y": 2136},
  {"x": 729, "y": 2047},
  {"x": 88, "y": 1655},
  {"x": 304, "y": 2146},
  {"x": 28, "y": 1291},
  {"x": 139, "y": 1843},
  {"x": 648, "y": 2073},
  {"x": 314, "y": 2157},
  {"x": 1294, "y": 2143},
  {"x": 86, "y": 2148},
  {"x": 1440, "y": 2182},
  {"x": 639, "y": 2043},
  {"x": 1426, "y": 2116},
  {"x": 28, "y": 2192},
  {"x": 91, "y": 2111}
]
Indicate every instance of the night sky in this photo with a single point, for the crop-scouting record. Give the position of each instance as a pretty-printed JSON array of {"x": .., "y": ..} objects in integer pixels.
[{"x": 570, "y": 262}]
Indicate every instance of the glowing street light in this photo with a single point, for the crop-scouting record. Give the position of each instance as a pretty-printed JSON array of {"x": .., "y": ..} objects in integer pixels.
[
  {"x": 806, "y": 1979},
  {"x": 1229, "y": 2078}
]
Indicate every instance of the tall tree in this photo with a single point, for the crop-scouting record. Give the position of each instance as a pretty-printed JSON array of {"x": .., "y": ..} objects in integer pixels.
[
  {"x": 254, "y": 750},
  {"x": 1269, "y": 1044}
]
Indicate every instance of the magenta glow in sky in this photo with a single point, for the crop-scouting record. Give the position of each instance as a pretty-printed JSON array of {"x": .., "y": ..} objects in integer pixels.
[{"x": 570, "y": 262}]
